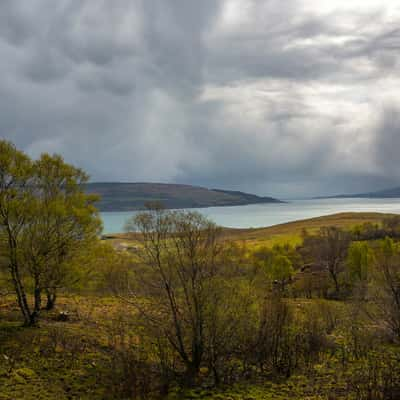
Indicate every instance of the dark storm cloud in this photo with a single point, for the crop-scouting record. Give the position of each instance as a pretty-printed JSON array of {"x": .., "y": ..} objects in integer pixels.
[
  {"x": 278, "y": 97},
  {"x": 387, "y": 143}
]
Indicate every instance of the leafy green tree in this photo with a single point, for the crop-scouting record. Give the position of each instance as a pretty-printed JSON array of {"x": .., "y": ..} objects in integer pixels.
[
  {"x": 65, "y": 223},
  {"x": 359, "y": 260},
  {"x": 45, "y": 219},
  {"x": 280, "y": 270},
  {"x": 16, "y": 175}
]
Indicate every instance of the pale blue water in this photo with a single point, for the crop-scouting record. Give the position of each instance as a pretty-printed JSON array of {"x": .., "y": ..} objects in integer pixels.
[{"x": 261, "y": 215}]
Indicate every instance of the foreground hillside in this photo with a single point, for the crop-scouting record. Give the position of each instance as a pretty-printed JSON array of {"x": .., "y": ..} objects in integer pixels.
[
  {"x": 290, "y": 232},
  {"x": 133, "y": 196},
  {"x": 313, "y": 342},
  {"x": 89, "y": 358}
]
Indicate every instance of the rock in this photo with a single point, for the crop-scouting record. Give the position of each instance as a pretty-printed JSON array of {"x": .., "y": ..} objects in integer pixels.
[{"x": 63, "y": 316}]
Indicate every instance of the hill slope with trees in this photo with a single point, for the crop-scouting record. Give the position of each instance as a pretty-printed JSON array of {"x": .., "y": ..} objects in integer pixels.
[
  {"x": 391, "y": 193},
  {"x": 133, "y": 196}
]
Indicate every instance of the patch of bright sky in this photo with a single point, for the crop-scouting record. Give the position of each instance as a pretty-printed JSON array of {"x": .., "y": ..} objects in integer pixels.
[
  {"x": 329, "y": 6},
  {"x": 346, "y": 105},
  {"x": 234, "y": 12}
]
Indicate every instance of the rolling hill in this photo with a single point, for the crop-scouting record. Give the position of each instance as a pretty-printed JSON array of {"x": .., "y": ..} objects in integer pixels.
[
  {"x": 380, "y": 194},
  {"x": 133, "y": 196},
  {"x": 289, "y": 232}
]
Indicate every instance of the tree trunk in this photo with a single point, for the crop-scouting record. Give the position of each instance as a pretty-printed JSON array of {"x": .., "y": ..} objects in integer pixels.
[
  {"x": 190, "y": 375},
  {"x": 51, "y": 299},
  {"x": 36, "y": 307},
  {"x": 164, "y": 388},
  {"x": 335, "y": 280},
  {"x": 16, "y": 278},
  {"x": 21, "y": 295},
  {"x": 217, "y": 379},
  {"x": 334, "y": 277}
]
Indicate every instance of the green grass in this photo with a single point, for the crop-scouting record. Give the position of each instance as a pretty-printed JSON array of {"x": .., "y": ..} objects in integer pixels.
[
  {"x": 71, "y": 360},
  {"x": 40, "y": 366},
  {"x": 297, "y": 387},
  {"x": 58, "y": 360},
  {"x": 290, "y": 232}
]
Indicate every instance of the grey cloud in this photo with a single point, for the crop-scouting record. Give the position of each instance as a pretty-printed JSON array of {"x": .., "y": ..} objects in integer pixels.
[
  {"x": 387, "y": 142},
  {"x": 16, "y": 25},
  {"x": 152, "y": 90}
]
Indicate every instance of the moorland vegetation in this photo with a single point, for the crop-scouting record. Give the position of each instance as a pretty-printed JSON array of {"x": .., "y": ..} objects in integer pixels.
[{"x": 186, "y": 310}]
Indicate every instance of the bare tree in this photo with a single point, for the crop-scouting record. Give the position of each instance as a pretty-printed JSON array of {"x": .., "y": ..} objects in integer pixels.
[
  {"x": 177, "y": 280},
  {"x": 329, "y": 250},
  {"x": 387, "y": 291}
]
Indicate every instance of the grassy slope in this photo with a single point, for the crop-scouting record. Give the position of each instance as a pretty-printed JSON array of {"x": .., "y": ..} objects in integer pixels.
[
  {"x": 71, "y": 360},
  {"x": 58, "y": 360},
  {"x": 291, "y": 232},
  {"x": 283, "y": 233}
]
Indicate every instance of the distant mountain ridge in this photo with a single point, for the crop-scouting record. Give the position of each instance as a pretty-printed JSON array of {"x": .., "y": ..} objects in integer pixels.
[
  {"x": 380, "y": 194},
  {"x": 116, "y": 196}
]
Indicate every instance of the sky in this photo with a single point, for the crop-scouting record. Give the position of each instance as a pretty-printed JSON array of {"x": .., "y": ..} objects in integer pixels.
[{"x": 289, "y": 98}]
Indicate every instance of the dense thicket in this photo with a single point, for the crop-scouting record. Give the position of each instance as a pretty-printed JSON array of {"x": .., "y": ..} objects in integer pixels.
[{"x": 212, "y": 312}]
